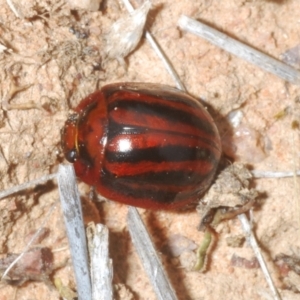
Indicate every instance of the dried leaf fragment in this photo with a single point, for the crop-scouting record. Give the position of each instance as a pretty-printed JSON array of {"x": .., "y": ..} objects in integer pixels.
[
  {"x": 230, "y": 189},
  {"x": 126, "y": 33}
]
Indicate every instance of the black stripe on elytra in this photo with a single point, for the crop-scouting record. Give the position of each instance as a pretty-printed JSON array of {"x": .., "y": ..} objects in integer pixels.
[
  {"x": 171, "y": 153},
  {"x": 176, "y": 97},
  {"x": 166, "y": 112},
  {"x": 115, "y": 129},
  {"x": 171, "y": 178},
  {"x": 159, "y": 194}
]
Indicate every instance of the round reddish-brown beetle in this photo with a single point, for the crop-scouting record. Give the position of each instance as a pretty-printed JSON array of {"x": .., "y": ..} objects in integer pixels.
[{"x": 146, "y": 145}]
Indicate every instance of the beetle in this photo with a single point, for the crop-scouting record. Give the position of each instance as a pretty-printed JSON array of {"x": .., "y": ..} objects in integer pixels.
[{"x": 142, "y": 144}]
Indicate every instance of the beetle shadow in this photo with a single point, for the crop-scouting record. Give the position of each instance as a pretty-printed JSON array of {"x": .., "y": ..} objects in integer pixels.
[
  {"x": 159, "y": 233},
  {"x": 92, "y": 212},
  {"x": 119, "y": 247}
]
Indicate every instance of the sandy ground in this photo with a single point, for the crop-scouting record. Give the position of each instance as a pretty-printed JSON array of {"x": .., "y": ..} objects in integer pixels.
[{"x": 55, "y": 53}]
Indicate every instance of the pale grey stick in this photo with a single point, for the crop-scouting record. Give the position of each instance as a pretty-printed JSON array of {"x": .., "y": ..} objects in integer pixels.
[
  {"x": 71, "y": 206},
  {"x": 239, "y": 49},
  {"x": 167, "y": 64},
  {"x": 26, "y": 185},
  {"x": 148, "y": 256},
  {"x": 159, "y": 52},
  {"x": 100, "y": 263},
  {"x": 12, "y": 7},
  {"x": 252, "y": 241},
  {"x": 273, "y": 174}
]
